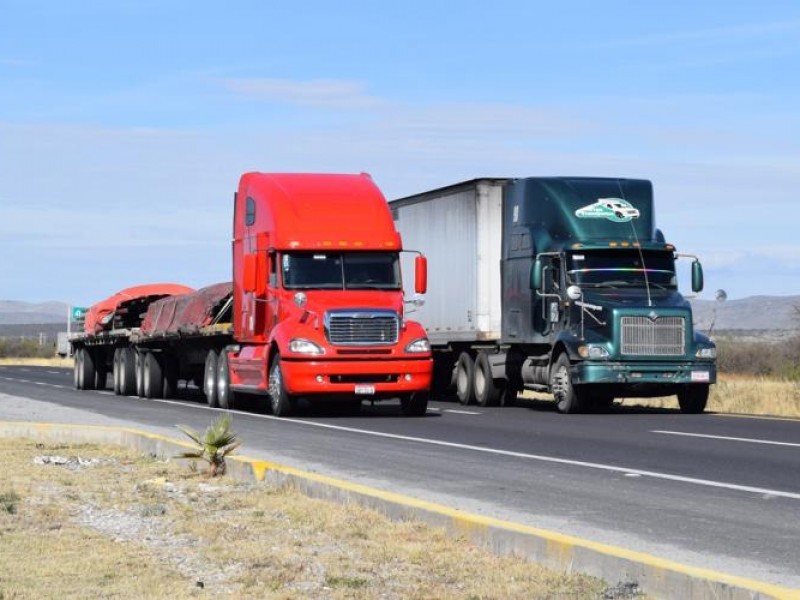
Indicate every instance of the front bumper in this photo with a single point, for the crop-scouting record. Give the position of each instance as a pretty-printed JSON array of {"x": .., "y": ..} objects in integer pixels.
[
  {"x": 376, "y": 379},
  {"x": 655, "y": 373}
]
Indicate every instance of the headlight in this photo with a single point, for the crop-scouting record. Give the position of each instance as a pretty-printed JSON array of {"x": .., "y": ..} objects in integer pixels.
[
  {"x": 301, "y": 346},
  {"x": 707, "y": 353},
  {"x": 419, "y": 346},
  {"x": 592, "y": 352}
]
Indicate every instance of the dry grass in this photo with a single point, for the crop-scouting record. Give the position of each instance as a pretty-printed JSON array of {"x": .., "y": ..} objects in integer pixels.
[
  {"x": 56, "y": 361},
  {"x": 131, "y": 527},
  {"x": 741, "y": 395}
]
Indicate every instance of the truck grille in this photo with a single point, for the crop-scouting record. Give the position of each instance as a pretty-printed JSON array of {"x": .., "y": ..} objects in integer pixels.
[
  {"x": 662, "y": 336},
  {"x": 374, "y": 328}
]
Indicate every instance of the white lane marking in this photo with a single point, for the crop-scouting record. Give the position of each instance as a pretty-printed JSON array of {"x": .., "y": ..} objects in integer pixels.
[
  {"x": 55, "y": 372},
  {"x": 432, "y": 409},
  {"x": 538, "y": 457},
  {"x": 461, "y": 412},
  {"x": 26, "y": 370},
  {"x": 727, "y": 438}
]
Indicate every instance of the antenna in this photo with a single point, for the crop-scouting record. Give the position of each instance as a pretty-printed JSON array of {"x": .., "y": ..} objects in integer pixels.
[{"x": 639, "y": 248}]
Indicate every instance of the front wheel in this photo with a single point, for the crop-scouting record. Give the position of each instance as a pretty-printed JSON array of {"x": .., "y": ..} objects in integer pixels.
[
  {"x": 280, "y": 401},
  {"x": 693, "y": 399},
  {"x": 569, "y": 399},
  {"x": 225, "y": 395},
  {"x": 210, "y": 378},
  {"x": 465, "y": 379},
  {"x": 415, "y": 404}
]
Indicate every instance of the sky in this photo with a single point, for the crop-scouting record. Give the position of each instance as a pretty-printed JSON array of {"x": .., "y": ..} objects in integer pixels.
[{"x": 125, "y": 125}]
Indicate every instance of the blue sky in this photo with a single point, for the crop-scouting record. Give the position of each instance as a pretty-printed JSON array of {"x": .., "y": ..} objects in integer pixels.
[{"x": 125, "y": 125}]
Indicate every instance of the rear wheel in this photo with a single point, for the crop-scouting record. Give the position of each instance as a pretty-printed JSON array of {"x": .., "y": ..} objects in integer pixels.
[
  {"x": 210, "y": 379},
  {"x": 693, "y": 399},
  {"x": 415, "y": 404},
  {"x": 152, "y": 376},
  {"x": 225, "y": 396},
  {"x": 280, "y": 401},
  {"x": 138, "y": 361},
  {"x": 465, "y": 379},
  {"x": 115, "y": 371},
  {"x": 487, "y": 392},
  {"x": 86, "y": 370},
  {"x": 127, "y": 371},
  {"x": 569, "y": 399}
]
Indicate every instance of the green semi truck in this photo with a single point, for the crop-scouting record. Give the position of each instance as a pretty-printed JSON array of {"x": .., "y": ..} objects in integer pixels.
[{"x": 556, "y": 284}]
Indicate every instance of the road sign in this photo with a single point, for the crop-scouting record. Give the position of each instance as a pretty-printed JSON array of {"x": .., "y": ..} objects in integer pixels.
[{"x": 77, "y": 313}]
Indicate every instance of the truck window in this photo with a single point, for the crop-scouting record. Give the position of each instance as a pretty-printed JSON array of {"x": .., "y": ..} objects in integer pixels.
[
  {"x": 347, "y": 270},
  {"x": 621, "y": 268}
]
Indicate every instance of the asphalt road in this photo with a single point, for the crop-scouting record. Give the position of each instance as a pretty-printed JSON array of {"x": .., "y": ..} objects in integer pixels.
[{"x": 712, "y": 491}]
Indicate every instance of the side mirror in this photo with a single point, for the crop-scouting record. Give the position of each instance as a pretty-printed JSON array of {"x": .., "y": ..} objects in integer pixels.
[
  {"x": 537, "y": 271},
  {"x": 697, "y": 276},
  {"x": 420, "y": 274},
  {"x": 249, "y": 273}
]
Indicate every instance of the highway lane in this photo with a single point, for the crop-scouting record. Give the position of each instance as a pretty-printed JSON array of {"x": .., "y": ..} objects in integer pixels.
[{"x": 728, "y": 500}]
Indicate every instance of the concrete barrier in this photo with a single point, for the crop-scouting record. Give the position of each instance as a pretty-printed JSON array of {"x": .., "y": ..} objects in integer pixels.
[{"x": 657, "y": 577}]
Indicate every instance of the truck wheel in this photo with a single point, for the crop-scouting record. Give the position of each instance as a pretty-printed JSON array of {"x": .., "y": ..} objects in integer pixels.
[
  {"x": 465, "y": 379},
  {"x": 152, "y": 376},
  {"x": 210, "y": 379},
  {"x": 693, "y": 398},
  {"x": 280, "y": 401},
  {"x": 86, "y": 370},
  {"x": 487, "y": 393},
  {"x": 569, "y": 399},
  {"x": 127, "y": 371},
  {"x": 169, "y": 367},
  {"x": 76, "y": 368},
  {"x": 225, "y": 396},
  {"x": 138, "y": 361},
  {"x": 415, "y": 404},
  {"x": 115, "y": 369}
]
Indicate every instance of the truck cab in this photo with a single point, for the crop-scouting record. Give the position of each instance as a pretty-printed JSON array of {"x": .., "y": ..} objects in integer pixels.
[
  {"x": 318, "y": 302},
  {"x": 604, "y": 317}
]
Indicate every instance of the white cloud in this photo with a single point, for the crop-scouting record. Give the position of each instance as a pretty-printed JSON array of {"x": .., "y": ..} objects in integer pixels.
[{"x": 331, "y": 93}]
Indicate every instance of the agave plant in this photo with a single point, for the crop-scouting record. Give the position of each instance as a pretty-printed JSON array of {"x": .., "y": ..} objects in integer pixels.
[{"x": 217, "y": 442}]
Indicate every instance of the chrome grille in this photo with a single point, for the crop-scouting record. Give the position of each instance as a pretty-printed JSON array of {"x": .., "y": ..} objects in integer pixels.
[
  {"x": 662, "y": 336},
  {"x": 373, "y": 328}
]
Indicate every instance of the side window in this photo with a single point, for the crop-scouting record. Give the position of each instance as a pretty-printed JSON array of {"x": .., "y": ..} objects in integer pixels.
[
  {"x": 273, "y": 269},
  {"x": 250, "y": 212}
]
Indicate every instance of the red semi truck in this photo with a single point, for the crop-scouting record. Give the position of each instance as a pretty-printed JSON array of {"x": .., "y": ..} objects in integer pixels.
[{"x": 315, "y": 310}]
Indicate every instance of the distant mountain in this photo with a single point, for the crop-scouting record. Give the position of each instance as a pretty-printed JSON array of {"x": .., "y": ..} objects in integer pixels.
[
  {"x": 13, "y": 312},
  {"x": 754, "y": 313}
]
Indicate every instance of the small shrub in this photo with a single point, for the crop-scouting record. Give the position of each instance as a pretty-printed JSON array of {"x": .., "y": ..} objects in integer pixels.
[
  {"x": 215, "y": 444},
  {"x": 9, "y": 501}
]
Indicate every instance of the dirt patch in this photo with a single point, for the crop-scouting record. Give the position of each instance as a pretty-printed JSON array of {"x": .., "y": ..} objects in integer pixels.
[{"x": 109, "y": 523}]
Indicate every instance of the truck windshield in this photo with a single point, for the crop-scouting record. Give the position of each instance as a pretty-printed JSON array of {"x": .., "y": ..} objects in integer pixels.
[
  {"x": 621, "y": 268},
  {"x": 341, "y": 270}
]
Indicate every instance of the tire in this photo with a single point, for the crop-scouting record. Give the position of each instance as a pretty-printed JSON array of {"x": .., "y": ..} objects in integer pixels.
[
  {"x": 138, "y": 361},
  {"x": 152, "y": 376},
  {"x": 86, "y": 370},
  {"x": 127, "y": 371},
  {"x": 225, "y": 396},
  {"x": 210, "y": 379},
  {"x": 569, "y": 399},
  {"x": 465, "y": 379},
  {"x": 415, "y": 405},
  {"x": 169, "y": 368},
  {"x": 487, "y": 392},
  {"x": 280, "y": 401},
  {"x": 76, "y": 369},
  {"x": 693, "y": 399},
  {"x": 115, "y": 371}
]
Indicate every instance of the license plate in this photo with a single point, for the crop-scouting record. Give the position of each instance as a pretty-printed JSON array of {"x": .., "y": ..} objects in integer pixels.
[
  {"x": 365, "y": 389},
  {"x": 700, "y": 376}
]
